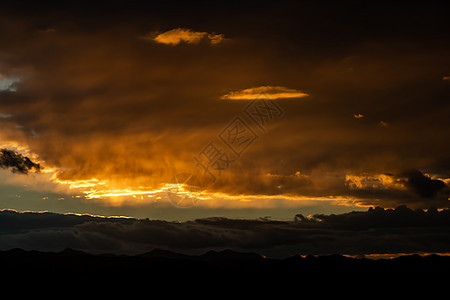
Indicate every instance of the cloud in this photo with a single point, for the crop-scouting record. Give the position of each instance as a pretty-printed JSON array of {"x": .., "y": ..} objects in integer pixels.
[
  {"x": 8, "y": 83},
  {"x": 446, "y": 77},
  {"x": 264, "y": 92},
  {"x": 17, "y": 162},
  {"x": 377, "y": 230},
  {"x": 15, "y": 222},
  {"x": 358, "y": 116},
  {"x": 5, "y": 116},
  {"x": 412, "y": 188},
  {"x": 179, "y": 35},
  {"x": 422, "y": 184},
  {"x": 377, "y": 217}
]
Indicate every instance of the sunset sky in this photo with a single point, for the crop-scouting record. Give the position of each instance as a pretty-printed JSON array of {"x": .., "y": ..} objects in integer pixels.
[{"x": 275, "y": 108}]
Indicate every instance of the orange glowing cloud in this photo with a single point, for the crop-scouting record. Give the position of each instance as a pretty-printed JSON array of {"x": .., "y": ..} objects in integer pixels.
[
  {"x": 113, "y": 117},
  {"x": 266, "y": 92},
  {"x": 178, "y": 35}
]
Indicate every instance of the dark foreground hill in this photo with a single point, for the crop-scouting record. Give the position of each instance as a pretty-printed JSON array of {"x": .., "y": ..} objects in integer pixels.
[{"x": 223, "y": 267}]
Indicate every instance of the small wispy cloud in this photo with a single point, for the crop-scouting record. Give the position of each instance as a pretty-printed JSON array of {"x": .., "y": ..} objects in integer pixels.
[
  {"x": 358, "y": 116},
  {"x": 446, "y": 77},
  {"x": 179, "y": 35},
  {"x": 18, "y": 163},
  {"x": 266, "y": 92},
  {"x": 7, "y": 83},
  {"x": 5, "y": 116}
]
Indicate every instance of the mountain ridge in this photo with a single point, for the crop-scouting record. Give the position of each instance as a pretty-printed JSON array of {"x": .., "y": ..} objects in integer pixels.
[{"x": 214, "y": 267}]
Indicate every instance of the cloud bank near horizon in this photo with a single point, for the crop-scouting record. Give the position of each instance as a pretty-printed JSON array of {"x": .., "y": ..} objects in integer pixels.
[{"x": 375, "y": 231}]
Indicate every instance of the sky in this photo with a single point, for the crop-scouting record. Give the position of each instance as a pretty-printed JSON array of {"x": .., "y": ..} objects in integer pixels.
[{"x": 182, "y": 110}]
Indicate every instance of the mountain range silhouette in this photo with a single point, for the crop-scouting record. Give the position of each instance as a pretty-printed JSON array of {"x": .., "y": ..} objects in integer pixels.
[{"x": 73, "y": 263}]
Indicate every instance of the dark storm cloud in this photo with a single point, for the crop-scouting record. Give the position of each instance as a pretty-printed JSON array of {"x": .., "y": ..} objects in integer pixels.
[
  {"x": 13, "y": 222},
  {"x": 374, "y": 231},
  {"x": 422, "y": 184},
  {"x": 413, "y": 188},
  {"x": 378, "y": 217},
  {"x": 105, "y": 103},
  {"x": 18, "y": 163}
]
